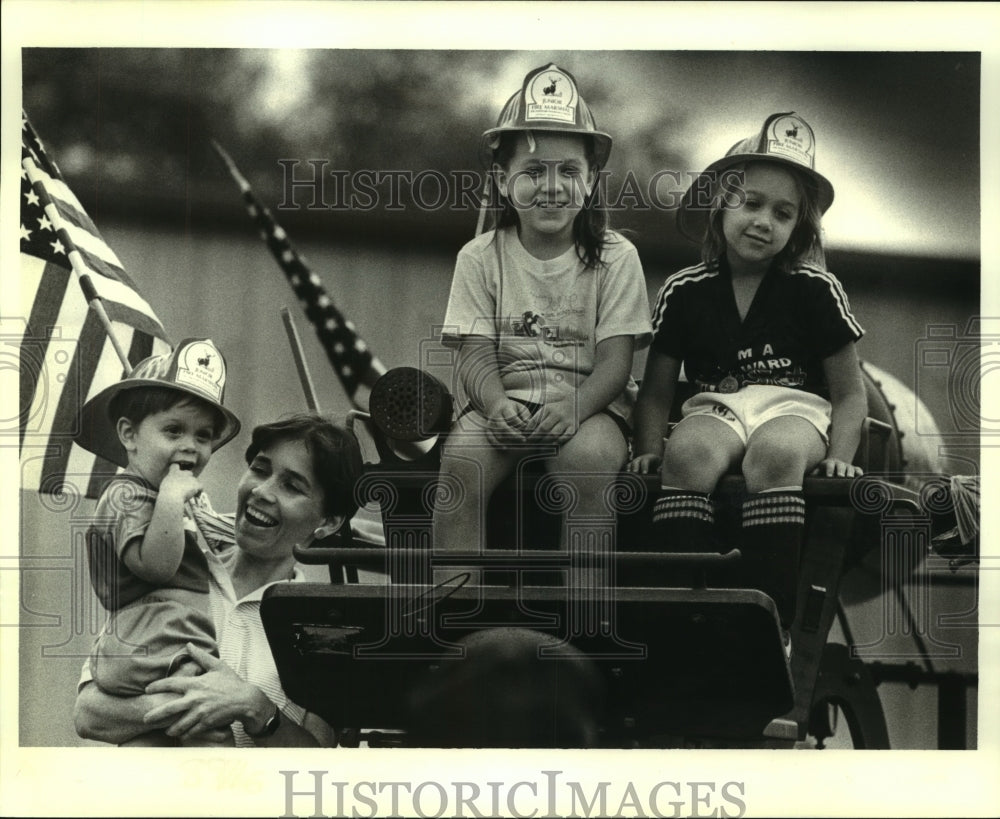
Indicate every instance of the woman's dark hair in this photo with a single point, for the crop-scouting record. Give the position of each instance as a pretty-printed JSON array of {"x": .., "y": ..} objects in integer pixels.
[
  {"x": 138, "y": 403},
  {"x": 591, "y": 223},
  {"x": 804, "y": 245},
  {"x": 336, "y": 456}
]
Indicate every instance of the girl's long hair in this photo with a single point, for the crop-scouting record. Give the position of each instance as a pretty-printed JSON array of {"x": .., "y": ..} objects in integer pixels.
[
  {"x": 805, "y": 245},
  {"x": 591, "y": 223}
]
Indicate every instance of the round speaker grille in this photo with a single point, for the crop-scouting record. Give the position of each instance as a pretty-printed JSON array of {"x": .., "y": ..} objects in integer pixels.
[{"x": 408, "y": 404}]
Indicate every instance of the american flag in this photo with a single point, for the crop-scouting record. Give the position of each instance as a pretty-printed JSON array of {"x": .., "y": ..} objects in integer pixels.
[
  {"x": 352, "y": 361},
  {"x": 66, "y": 355}
]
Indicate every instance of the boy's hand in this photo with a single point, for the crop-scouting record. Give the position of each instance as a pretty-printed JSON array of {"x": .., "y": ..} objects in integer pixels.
[
  {"x": 180, "y": 483},
  {"x": 836, "y": 468},
  {"x": 554, "y": 422},
  {"x": 644, "y": 464}
]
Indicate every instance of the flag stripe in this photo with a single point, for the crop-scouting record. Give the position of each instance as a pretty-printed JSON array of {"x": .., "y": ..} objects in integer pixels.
[
  {"x": 113, "y": 292},
  {"x": 35, "y": 342},
  {"x": 83, "y": 232},
  {"x": 115, "y": 284},
  {"x": 84, "y": 237},
  {"x": 91, "y": 249},
  {"x": 56, "y": 370},
  {"x": 77, "y": 385},
  {"x": 140, "y": 348},
  {"x": 70, "y": 207},
  {"x": 122, "y": 313}
]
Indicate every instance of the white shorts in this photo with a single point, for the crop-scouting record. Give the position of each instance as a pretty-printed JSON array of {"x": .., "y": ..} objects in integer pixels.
[{"x": 756, "y": 404}]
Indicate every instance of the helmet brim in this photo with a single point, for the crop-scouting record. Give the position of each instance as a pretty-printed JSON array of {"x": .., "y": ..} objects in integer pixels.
[
  {"x": 97, "y": 432},
  {"x": 692, "y": 218},
  {"x": 602, "y": 141}
]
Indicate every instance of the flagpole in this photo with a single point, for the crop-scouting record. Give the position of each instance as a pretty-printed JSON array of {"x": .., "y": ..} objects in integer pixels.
[
  {"x": 234, "y": 172},
  {"x": 352, "y": 361},
  {"x": 300, "y": 360},
  {"x": 90, "y": 293}
]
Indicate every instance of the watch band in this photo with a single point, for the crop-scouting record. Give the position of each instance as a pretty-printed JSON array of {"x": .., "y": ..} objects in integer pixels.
[{"x": 272, "y": 724}]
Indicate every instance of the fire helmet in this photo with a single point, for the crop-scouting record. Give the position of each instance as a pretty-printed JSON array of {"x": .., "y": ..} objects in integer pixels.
[
  {"x": 548, "y": 101},
  {"x": 785, "y": 138}
]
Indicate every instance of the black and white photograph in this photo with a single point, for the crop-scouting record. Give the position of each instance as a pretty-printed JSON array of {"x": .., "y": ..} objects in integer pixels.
[{"x": 499, "y": 409}]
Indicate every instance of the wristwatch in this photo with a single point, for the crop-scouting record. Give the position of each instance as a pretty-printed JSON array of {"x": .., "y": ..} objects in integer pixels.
[{"x": 269, "y": 727}]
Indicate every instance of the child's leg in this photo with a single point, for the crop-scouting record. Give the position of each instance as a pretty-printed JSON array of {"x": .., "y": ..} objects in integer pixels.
[
  {"x": 589, "y": 463},
  {"x": 471, "y": 470},
  {"x": 141, "y": 642},
  {"x": 779, "y": 454},
  {"x": 699, "y": 451}
]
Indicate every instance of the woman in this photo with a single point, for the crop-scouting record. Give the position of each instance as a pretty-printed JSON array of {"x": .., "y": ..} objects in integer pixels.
[{"x": 300, "y": 478}]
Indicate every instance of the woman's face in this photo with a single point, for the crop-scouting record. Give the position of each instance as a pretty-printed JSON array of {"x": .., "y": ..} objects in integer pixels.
[{"x": 279, "y": 502}]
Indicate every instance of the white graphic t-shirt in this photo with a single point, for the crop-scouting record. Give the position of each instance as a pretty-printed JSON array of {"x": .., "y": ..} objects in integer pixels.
[{"x": 548, "y": 316}]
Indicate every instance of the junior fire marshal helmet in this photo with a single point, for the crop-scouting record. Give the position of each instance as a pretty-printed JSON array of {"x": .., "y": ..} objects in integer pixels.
[
  {"x": 196, "y": 368},
  {"x": 785, "y": 138},
  {"x": 548, "y": 101}
]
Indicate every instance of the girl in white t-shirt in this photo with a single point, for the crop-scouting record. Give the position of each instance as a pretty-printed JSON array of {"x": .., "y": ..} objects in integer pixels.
[{"x": 546, "y": 311}]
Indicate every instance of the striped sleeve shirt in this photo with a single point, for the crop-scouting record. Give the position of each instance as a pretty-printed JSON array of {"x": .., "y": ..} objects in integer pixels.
[{"x": 796, "y": 320}]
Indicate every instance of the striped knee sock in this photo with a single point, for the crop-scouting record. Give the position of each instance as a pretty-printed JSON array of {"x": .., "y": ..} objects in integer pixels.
[
  {"x": 683, "y": 520},
  {"x": 774, "y": 524}
]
